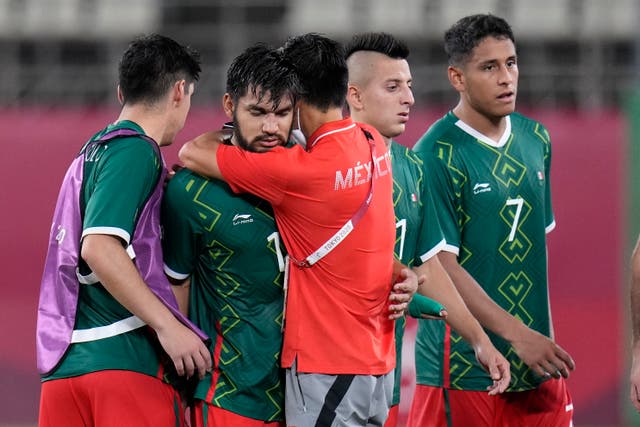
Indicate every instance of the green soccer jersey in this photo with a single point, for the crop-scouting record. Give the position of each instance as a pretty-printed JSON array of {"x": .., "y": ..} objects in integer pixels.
[
  {"x": 494, "y": 207},
  {"x": 118, "y": 178},
  {"x": 415, "y": 215},
  {"x": 229, "y": 246}
]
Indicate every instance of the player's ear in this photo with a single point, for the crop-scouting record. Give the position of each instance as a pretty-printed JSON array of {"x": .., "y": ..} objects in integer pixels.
[
  {"x": 120, "y": 96},
  {"x": 227, "y": 105},
  {"x": 456, "y": 78},
  {"x": 180, "y": 90},
  {"x": 354, "y": 97}
]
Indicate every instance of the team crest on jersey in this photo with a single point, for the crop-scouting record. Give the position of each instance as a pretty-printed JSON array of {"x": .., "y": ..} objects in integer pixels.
[
  {"x": 239, "y": 219},
  {"x": 481, "y": 187}
]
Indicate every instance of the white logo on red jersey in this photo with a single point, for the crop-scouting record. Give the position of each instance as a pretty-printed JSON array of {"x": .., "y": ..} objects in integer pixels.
[{"x": 361, "y": 173}]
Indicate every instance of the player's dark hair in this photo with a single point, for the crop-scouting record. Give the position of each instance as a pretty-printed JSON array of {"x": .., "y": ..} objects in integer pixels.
[
  {"x": 468, "y": 32},
  {"x": 383, "y": 43},
  {"x": 262, "y": 70},
  {"x": 321, "y": 68},
  {"x": 152, "y": 64}
]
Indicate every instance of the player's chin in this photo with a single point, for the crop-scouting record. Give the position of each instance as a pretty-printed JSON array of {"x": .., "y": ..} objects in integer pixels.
[
  {"x": 504, "y": 110},
  {"x": 505, "y": 106},
  {"x": 395, "y": 130}
]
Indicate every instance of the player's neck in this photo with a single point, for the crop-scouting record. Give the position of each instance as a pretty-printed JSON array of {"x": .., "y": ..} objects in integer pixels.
[
  {"x": 313, "y": 118},
  {"x": 152, "y": 121},
  {"x": 492, "y": 127}
]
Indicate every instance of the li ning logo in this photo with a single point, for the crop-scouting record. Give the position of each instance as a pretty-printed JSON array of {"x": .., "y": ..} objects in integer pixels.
[
  {"x": 242, "y": 219},
  {"x": 481, "y": 187}
]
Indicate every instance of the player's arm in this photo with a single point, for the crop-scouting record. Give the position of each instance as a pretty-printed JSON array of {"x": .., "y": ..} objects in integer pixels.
[
  {"x": 107, "y": 258},
  {"x": 405, "y": 285},
  {"x": 438, "y": 286},
  {"x": 182, "y": 235},
  {"x": 200, "y": 154},
  {"x": 181, "y": 289},
  {"x": 635, "y": 327},
  {"x": 539, "y": 352}
]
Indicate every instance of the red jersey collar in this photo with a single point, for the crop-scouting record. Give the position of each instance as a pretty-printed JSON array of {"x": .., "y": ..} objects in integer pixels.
[{"x": 330, "y": 128}]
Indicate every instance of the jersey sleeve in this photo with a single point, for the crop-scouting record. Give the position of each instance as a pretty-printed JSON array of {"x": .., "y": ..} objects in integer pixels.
[
  {"x": 182, "y": 233},
  {"x": 444, "y": 200},
  {"x": 264, "y": 174},
  {"x": 125, "y": 176},
  {"x": 430, "y": 236},
  {"x": 550, "y": 220}
]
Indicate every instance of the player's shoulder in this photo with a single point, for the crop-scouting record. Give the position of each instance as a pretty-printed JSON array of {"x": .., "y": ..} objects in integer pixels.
[
  {"x": 369, "y": 131},
  {"x": 184, "y": 175},
  {"x": 130, "y": 153},
  {"x": 186, "y": 183},
  {"x": 443, "y": 129},
  {"x": 402, "y": 153},
  {"x": 524, "y": 124},
  {"x": 135, "y": 146}
]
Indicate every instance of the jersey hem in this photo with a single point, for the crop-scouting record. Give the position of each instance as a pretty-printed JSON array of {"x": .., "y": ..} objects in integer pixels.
[
  {"x": 438, "y": 384},
  {"x": 549, "y": 228},
  {"x": 239, "y": 412},
  {"x": 433, "y": 251},
  {"x": 174, "y": 274},
  {"x": 451, "y": 248},
  {"x": 111, "y": 231}
]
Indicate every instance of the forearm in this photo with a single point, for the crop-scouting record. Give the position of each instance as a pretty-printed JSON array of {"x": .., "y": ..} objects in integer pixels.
[
  {"x": 438, "y": 286},
  {"x": 200, "y": 154},
  {"x": 483, "y": 308},
  {"x": 109, "y": 261}
]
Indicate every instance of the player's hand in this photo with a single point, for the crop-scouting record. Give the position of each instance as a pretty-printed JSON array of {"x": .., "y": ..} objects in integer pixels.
[
  {"x": 221, "y": 135},
  {"x": 405, "y": 286},
  {"x": 542, "y": 355},
  {"x": 422, "y": 307},
  {"x": 186, "y": 350},
  {"x": 496, "y": 365},
  {"x": 635, "y": 377}
]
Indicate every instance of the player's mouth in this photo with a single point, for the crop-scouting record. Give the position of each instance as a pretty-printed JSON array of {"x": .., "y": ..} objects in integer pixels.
[
  {"x": 404, "y": 117},
  {"x": 270, "y": 142},
  {"x": 507, "y": 97}
]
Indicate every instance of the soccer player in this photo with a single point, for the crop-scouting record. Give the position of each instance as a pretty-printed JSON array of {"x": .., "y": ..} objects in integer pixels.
[
  {"x": 635, "y": 327},
  {"x": 488, "y": 170},
  {"x": 332, "y": 204},
  {"x": 224, "y": 253},
  {"x": 103, "y": 329},
  {"x": 379, "y": 94}
]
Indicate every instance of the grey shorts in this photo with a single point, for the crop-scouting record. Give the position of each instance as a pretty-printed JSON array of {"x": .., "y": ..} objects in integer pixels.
[{"x": 319, "y": 400}]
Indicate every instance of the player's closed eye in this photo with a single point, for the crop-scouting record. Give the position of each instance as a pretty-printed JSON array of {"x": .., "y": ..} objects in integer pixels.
[{"x": 283, "y": 113}]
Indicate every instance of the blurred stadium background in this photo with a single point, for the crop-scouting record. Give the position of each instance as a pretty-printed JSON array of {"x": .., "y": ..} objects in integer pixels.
[{"x": 579, "y": 63}]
